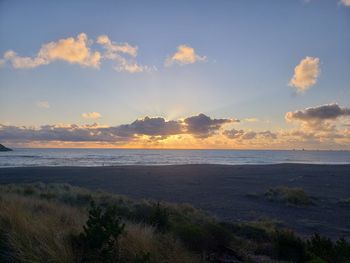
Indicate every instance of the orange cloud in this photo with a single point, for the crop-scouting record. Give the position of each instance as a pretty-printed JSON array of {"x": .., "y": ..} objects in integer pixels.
[
  {"x": 114, "y": 52},
  {"x": 305, "y": 74},
  {"x": 72, "y": 50},
  {"x": 184, "y": 55}
]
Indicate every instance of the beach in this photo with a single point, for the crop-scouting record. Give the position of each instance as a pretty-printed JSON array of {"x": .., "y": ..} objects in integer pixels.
[{"x": 230, "y": 192}]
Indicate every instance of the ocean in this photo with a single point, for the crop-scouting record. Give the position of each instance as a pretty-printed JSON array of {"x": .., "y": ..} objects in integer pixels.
[{"x": 113, "y": 157}]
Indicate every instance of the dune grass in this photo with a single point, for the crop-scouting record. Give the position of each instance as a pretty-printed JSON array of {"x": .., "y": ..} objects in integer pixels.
[
  {"x": 35, "y": 230},
  {"x": 56, "y": 223},
  {"x": 290, "y": 195}
]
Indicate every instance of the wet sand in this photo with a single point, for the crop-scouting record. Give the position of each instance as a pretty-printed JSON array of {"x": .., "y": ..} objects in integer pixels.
[{"x": 231, "y": 193}]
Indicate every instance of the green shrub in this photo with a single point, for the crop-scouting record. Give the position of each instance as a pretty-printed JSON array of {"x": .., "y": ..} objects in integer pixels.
[
  {"x": 288, "y": 246},
  {"x": 159, "y": 218},
  {"x": 324, "y": 248},
  {"x": 29, "y": 190},
  {"x": 99, "y": 241},
  {"x": 83, "y": 199},
  {"x": 192, "y": 236},
  {"x": 220, "y": 236},
  {"x": 208, "y": 237},
  {"x": 290, "y": 195}
]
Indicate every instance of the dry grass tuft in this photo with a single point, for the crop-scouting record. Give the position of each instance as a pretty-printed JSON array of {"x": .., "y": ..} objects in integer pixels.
[
  {"x": 142, "y": 239},
  {"x": 37, "y": 231}
]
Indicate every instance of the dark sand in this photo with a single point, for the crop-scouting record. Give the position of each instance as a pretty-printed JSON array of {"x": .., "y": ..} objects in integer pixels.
[{"x": 219, "y": 189}]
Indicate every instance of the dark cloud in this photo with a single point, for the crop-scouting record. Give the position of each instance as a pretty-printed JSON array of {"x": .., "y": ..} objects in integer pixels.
[
  {"x": 202, "y": 126},
  {"x": 149, "y": 126},
  {"x": 72, "y": 133},
  {"x": 248, "y": 135},
  {"x": 320, "y": 113},
  {"x": 233, "y": 134},
  {"x": 156, "y": 128},
  {"x": 268, "y": 135}
]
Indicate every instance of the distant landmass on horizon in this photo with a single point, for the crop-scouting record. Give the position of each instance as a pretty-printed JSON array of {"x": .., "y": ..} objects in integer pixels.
[{"x": 4, "y": 149}]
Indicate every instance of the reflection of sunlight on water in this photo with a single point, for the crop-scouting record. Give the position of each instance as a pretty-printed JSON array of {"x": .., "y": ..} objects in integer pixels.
[{"x": 110, "y": 157}]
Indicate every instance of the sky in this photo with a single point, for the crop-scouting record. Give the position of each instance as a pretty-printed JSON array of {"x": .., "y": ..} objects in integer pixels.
[{"x": 175, "y": 74}]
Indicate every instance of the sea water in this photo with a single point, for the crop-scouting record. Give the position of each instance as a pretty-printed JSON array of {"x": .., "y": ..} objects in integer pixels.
[{"x": 113, "y": 157}]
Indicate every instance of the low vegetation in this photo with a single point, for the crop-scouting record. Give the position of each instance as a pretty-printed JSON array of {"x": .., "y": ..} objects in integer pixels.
[
  {"x": 289, "y": 195},
  {"x": 60, "y": 223}
]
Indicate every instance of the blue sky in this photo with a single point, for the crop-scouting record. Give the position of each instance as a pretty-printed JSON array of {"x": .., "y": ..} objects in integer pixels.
[{"x": 250, "y": 47}]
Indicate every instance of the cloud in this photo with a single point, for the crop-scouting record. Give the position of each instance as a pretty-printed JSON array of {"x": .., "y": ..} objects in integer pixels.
[
  {"x": 184, "y": 55},
  {"x": 91, "y": 115},
  {"x": 78, "y": 51},
  {"x": 319, "y": 124},
  {"x": 188, "y": 132},
  {"x": 345, "y": 2},
  {"x": 305, "y": 74},
  {"x": 268, "y": 134},
  {"x": 72, "y": 50},
  {"x": 233, "y": 133},
  {"x": 319, "y": 113},
  {"x": 71, "y": 133},
  {"x": 23, "y": 62},
  {"x": 43, "y": 104},
  {"x": 114, "y": 51},
  {"x": 157, "y": 126},
  {"x": 203, "y": 126},
  {"x": 241, "y": 135},
  {"x": 154, "y": 128}
]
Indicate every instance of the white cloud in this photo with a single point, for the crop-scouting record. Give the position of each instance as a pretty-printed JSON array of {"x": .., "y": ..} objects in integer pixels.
[
  {"x": 43, "y": 104},
  {"x": 345, "y": 2},
  {"x": 23, "y": 62},
  {"x": 305, "y": 74},
  {"x": 73, "y": 50},
  {"x": 184, "y": 55},
  {"x": 123, "y": 54},
  {"x": 112, "y": 48},
  {"x": 91, "y": 115}
]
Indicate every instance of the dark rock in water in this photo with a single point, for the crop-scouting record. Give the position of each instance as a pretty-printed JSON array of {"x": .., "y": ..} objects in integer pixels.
[{"x": 4, "y": 149}]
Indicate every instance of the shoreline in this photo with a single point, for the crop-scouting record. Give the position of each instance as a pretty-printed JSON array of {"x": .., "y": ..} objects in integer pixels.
[
  {"x": 176, "y": 165},
  {"x": 229, "y": 192}
]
